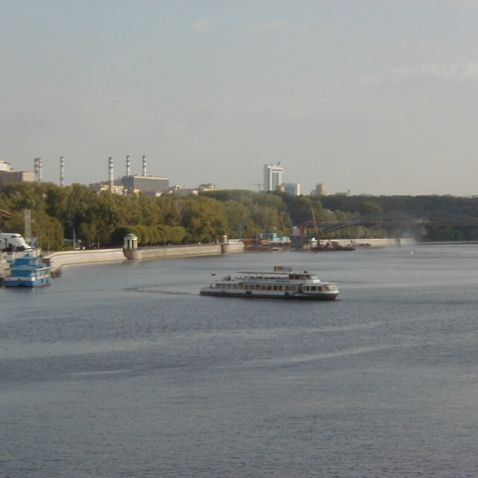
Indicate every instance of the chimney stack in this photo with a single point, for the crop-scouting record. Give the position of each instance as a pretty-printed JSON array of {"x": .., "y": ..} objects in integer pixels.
[
  {"x": 111, "y": 173},
  {"x": 144, "y": 165},
  {"x": 37, "y": 166},
  {"x": 62, "y": 171},
  {"x": 128, "y": 166}
]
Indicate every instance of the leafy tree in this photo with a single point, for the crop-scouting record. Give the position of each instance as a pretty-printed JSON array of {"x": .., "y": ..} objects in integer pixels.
[
  {"x": 238, "y": 219},
  {"x": 170, "y": 234},
  {"x": 79, "y": 209},
  {"x": 118, "y": 235},
  {"x": 204, "y": 220}
]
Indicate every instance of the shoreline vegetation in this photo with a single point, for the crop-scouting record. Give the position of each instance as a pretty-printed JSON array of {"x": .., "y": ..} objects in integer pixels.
[{"x": 77, "y": 214}]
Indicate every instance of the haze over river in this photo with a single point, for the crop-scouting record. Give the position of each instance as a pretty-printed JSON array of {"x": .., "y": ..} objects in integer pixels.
[{"x": 123, "y": 370}]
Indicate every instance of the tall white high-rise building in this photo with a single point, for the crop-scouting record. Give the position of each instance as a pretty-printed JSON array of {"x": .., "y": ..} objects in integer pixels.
[{"x": 273, "y": 176}]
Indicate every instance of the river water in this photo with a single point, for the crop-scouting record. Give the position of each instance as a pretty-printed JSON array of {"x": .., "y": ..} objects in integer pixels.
[{"x": 123, "y": 370}]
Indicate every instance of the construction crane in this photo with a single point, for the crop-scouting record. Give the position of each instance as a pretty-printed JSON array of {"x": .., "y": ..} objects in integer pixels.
[{"x": 316, "y": 227}]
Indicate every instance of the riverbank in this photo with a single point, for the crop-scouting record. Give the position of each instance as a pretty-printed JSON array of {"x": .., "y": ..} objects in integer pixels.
[{"x": 56, "y": 260}]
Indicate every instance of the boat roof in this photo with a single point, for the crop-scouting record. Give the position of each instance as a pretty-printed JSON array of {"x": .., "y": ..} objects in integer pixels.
[
  {"x": 272, "y": 275},
  {"x": 279, "y": 273},
  {"x": 28, "y": 268}
]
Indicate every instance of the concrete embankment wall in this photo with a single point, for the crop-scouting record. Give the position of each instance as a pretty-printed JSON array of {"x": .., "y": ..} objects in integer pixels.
[
  {"x": 4, "y": 268},
  {"x": 233, "y": 246},
  {"x": 60, "y": 259},
  {"x": 175, "y": 252}
]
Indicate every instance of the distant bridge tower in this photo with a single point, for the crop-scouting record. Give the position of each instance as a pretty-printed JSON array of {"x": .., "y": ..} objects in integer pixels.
[
  {"x": 144, "y": 165},
  {"x": 111, "y": 176},
  {"x": 128, "y": 166},
  {"x": 37, "y": 167},
  {"x": 62, "y": 171}
]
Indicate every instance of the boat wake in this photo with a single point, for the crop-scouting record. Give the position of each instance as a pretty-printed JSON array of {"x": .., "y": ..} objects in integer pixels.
[
  {"x": 307, "y": 358},
  {"x": 150, "y": 290}
]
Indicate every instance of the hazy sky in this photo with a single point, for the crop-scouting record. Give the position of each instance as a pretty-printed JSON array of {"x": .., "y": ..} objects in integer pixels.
[{"x": 371, "y": 96}]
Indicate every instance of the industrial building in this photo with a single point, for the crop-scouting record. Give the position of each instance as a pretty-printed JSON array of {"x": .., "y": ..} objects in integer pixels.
[
  {"x": 154, "y": 185},
  {"x": 8, "y": 175},
  {"x": 133, "y": 183}
]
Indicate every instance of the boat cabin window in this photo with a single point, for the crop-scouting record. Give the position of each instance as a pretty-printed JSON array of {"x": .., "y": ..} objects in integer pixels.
[{"x": 300, "y": 276}]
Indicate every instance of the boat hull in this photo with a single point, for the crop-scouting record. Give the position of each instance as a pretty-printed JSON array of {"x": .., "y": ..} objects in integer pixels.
[
  {"x": 258, "y": 295},
  {"x": 13, "y": 282}
]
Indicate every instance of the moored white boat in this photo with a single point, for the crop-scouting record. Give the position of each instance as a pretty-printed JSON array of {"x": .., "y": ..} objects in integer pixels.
[{"x": 282, "y": 283}]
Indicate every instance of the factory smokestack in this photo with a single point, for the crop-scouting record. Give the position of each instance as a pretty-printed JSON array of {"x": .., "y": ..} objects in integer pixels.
[
  {"x": 37, "y": 166},
  {"x": 62, "y": 171},
  {"x": 128, "y": 166},
  {"x": 111, "y": 173},
  {"x": 144, "y": 165}
]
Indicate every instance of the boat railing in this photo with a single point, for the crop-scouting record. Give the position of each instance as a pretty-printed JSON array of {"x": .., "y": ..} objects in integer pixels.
[{"x": 262, "y": 277}]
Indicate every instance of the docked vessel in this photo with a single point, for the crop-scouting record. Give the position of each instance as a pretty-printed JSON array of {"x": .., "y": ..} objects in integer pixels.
[
  {"x": 333, "y": 246},
  {"x": 282, "y": 283},
  {"x": 28, "y": 271}
]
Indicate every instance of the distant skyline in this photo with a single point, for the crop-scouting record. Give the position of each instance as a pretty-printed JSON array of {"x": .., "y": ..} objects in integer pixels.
[{"x": 371, "y": 96}]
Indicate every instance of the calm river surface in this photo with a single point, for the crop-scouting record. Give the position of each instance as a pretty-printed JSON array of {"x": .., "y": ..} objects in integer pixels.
[{"x": 125, "y": 371}]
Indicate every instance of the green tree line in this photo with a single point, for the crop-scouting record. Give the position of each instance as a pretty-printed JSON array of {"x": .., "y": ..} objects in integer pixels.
[
  {"x": 78, "y": 212},
  {"x": 103, "y": 219}
]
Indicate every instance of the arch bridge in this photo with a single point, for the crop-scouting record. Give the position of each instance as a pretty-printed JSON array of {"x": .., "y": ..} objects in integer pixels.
[{"x": 396, "y": 222}]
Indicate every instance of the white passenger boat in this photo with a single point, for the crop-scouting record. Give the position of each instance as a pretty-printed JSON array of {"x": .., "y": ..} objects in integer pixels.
[{"x": 282, "y": 283}]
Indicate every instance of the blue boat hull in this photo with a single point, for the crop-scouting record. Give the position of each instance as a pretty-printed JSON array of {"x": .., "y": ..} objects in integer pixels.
[{"x": 8, "y": 282}]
